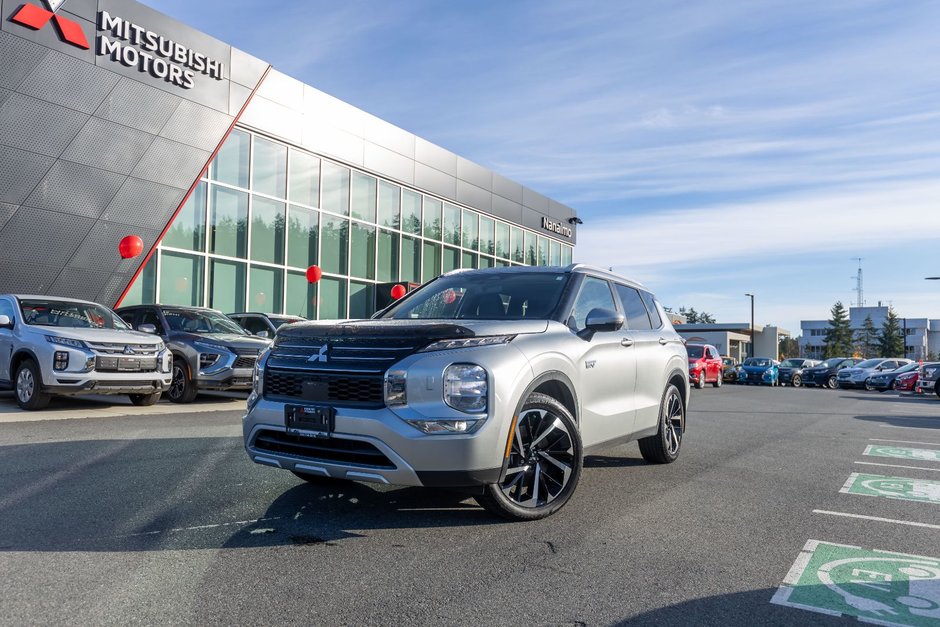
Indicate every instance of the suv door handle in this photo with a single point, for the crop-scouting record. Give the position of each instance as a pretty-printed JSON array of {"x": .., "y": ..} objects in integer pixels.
[
  {"x": 663, "y": 341},
  {"x": 626, "y": 342}
]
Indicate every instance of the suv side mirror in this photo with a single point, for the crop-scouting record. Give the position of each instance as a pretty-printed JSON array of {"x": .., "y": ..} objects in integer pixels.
[
  {"x": 263, "y": 333},
  {"x": 147, "y": 328},
  {"x": 6, "y": 322},
  {"x": 601, "y": 320}
]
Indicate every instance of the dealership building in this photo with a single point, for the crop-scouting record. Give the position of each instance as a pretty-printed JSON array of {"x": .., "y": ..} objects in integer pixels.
[{"x": 117, "y": 121}]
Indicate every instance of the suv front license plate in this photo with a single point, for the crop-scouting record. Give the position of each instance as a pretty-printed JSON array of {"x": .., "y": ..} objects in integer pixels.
[{"x": 309, "y": 421}]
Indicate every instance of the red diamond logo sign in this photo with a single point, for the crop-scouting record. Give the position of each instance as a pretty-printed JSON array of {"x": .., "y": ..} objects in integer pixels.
[{"x": 36, "y": 18}]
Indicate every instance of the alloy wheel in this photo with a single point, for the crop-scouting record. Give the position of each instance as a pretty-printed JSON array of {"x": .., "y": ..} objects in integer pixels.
[
  {"x": 178, "y": 385},
  {"x": 673, "y": 423},
  {"x": 541, "y": 459},
  {"x": 25, "y": 385}
]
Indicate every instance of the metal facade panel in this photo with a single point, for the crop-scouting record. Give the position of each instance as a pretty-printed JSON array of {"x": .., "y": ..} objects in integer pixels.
[
  {"x": 388, "y": 135},
  {"x": 282, "y": 122},
  {"x": 474, "y": 174},
  {"x": 330, "y": 141},
  {"x": 534, "y": 200},
  {"x": 75, "y": 282},
  {"x": 435, "y": 181},
  {"x": 4, "y": 94},
  {"x": 389, "y": 163},
  {"x": 100, "y": 252},
  {"x": 108, "y": 146},
  {"x": 507, "y": 209},
  {"x": 436, "y": 157},
  {"x": 282, "y": 89},
  {"x": 246, "y": 70},
  {"x": 139, "y": 106},
  {"x": 26, "y": 278},
  {"x": 113, "y": 288},
  {"x": 76, "y": 189},
  {"x": 171, "y": 163},
  {"x": 507, "y": 189},
  {"x": 69, "y": 82},
  {"x": 474, "y": 196},
  {"x": 196, "y": 125},
  {"x": 20, "y": 57},
  {"x": 238, "y": 96},
  {"x": 6, "y": 212},
  {"x": 36, "y": 236},
  {"x": 20, "y": 171},
  {"x": 38, "y": 126},
  {"x": 144, "y": 203}
]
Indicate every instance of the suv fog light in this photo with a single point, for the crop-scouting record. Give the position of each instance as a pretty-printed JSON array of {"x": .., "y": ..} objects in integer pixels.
[
  {"x": 465, "y": 387},
  {"x": 440, "y": 427},
  {"x": 396, "y": 392},
  {"x": 60, "y": 361},
  {"x": 89, "y": 364}
]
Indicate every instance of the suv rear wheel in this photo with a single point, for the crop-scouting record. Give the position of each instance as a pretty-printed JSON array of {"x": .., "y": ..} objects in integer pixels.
[
  {"x": 543, "y": 466},
  {"x": 145, "y": 400},
  {"x": 663, "y": 448},
  {"x": 832, "y": 383},
  {"x": 28, "y": 387}
]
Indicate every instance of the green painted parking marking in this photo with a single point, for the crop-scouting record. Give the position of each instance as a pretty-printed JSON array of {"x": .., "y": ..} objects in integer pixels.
[
  {"x": 874, "y": 586},
  {"x": 919, "y": 490},
  {"x": 903, "y": 452}
]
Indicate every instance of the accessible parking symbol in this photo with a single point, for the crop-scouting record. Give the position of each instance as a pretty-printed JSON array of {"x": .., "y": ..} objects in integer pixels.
[
  {"x": 918, "y": 490},
  {"x": 903, "y": 452},
  {"x": 874, "y": 586}
]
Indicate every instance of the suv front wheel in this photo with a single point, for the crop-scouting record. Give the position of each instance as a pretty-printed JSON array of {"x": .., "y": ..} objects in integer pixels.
[
  {"x": 663, "y": 448},
  {"x": 28, "y": 387},
  {"x": 182, "y": 389},
  {"x": 544, "y": 463}
]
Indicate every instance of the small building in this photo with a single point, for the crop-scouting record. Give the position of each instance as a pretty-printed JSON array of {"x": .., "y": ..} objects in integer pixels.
[
  {"x": 921, "y": 335},
  {"x": 734, "y": 338}
]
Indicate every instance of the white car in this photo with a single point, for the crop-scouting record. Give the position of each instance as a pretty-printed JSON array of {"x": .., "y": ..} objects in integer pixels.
[{"x": 857, "y": 376}]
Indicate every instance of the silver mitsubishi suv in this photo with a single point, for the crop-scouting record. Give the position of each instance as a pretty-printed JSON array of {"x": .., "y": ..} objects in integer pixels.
[
  {"x": 65, "y": 346},
  {"x": 496, "y": 382}
]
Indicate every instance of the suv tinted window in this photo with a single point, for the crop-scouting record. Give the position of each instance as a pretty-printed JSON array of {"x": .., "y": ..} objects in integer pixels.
[
  {"x": 149, "y": 316},
  {"x": 253, "y": 324},
  {"x": 633, "y": 307},
  {"x": 595, "y": 293},
  {"x": 653, "y": 310}
]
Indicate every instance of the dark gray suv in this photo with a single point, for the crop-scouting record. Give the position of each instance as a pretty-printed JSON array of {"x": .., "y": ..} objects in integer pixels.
[
  {"x": 210, "y": 351},
  {"x": 491, "y": 381}
]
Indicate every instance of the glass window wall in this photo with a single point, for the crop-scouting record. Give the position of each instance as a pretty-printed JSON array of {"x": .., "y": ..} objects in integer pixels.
[
  {"x": 188, "y": 230},
  {"x": 180, "y": 279},
  {"x": 389, "y": 205},
  {"x": 363, "y": 197},
  {"x": 267, "y": 289},
  {"x": 334, "y": 188},
  {"x": 332, "y": 298},
  {"x": 432, "y": 218},
  {"x": 334, "y": 244},
  {"x": 267, "y": 230},
  {"x": 487, "y": 235},
  {"x": 410, "y": 212},
  {"x": 230, "y": 166},
  {"x": 229, "y": 224},
  {"x": 269, "y": 169},
  {"x": 362, "y": 254},
  {"x": 304, "y": 178},
  {"x": 227, "y": 286},
  {"x": 303, "y": 234},
  {"x": 301, "y": 296}
]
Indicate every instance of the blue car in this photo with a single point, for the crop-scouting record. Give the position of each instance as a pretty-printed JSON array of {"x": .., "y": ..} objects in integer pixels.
[{"x": 759, "y": 371}]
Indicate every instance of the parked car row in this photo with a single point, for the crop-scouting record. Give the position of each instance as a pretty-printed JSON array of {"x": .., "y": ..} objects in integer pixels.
[{"x": 63, "y": 346}]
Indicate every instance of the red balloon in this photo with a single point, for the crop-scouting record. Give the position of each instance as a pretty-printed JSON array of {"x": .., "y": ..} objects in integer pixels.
[
  {"x": 314, "y": 274},
  {"x": 398, "y": 291},
  {"x": 449, "y": 296},
  {"x": 131, "y": 246}
]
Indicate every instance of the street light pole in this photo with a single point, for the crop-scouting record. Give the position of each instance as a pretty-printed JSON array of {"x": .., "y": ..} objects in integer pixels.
[{"x": 752, "y": 323}]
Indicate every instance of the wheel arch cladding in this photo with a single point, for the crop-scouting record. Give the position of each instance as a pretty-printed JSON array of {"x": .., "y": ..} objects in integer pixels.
[
  {"x": 679, "y": 380},
  {"x": 19, "y": 357},
  {"x": 559, "y": 387}
]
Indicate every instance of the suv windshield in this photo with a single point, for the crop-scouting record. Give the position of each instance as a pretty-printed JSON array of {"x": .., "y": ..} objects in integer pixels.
[
  {"x": 695, "y": 352},
  {"x": 757, "y": 362},
  {"x": 199, "y": 321},
  {"x": 832, "y": 363},
  {"x": 55, "y": 313},
  {"x": 869, "y": 363},
  {"x": 791, "y": 363},
  {"x": 490, "y": 296}
]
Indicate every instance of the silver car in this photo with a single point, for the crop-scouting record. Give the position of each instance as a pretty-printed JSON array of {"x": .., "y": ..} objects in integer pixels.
[
  {"x": 66, "y": 346},
  {"x": 857, "y": 376},
  {"x": 490, "y": 381}
]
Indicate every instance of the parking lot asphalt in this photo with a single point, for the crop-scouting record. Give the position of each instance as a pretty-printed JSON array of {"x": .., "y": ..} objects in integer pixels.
[
  {"x": 92, "y": 406},
  {"x": 162, "y": 519}
]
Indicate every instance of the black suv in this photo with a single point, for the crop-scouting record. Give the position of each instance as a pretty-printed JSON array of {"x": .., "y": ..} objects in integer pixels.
[
  {"x": 263, "y": 324},
  {"x": 825, "y": 374},
  {"x": 210, "y": 351}
]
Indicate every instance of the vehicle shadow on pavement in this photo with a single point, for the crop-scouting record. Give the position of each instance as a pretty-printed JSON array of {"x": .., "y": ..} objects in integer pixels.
[
  {"x": 193, "y": 493},
  {"x": 894, "y": 398},
  {"x": 916, "y": 422},
  {"x": 606, "y": 461}
]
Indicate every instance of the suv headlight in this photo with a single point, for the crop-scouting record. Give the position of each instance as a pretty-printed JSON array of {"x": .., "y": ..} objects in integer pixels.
[
  {"x": 65, "y": 341},
  {"x": 465, "y": 387},
  {"x": 469, "y": 342}
]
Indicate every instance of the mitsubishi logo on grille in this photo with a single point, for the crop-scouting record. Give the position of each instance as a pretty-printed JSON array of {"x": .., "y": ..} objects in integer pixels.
[
  {"x": 129, "y": 351},
  {"x": 321, "y": 355},
  {"x": 36, "y": 18}
]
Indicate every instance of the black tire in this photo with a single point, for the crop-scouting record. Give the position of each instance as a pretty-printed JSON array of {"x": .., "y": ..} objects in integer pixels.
[
  {"x": 27, "y": 387},
  {"x": 868, "y": 386},
  {"x": 145, "y": 400},
  {"x": 315, "y": 479},
  {"x": 700, "y": 382},
  {"x": 544, "y": 464},
  {"x": 796, "y": 381},
  {"x": 182, "y": 389},
  {"x": 832, "y": 382},
  {"x": 936, "y": 387},
  {"x": 664, "y": 447},
  {"x": 717, "y": 382}
]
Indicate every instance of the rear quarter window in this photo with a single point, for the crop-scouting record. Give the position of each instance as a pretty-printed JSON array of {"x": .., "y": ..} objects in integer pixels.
[{"x": 653, "y": 310}]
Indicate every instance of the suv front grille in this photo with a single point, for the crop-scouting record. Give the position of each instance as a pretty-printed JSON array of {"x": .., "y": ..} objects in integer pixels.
[
  {"x": 331, "y": 450},
  {"x": 245, "y": 362},
  {"x": 135, "y": 350},
  {"x": 336, "y": 388}
]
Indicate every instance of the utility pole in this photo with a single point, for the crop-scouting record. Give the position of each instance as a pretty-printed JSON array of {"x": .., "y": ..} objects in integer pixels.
[{"x": 752, "y": 323}]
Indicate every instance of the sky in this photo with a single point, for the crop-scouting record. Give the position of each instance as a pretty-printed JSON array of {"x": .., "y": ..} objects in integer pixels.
[{"x": 712, "y": 148}]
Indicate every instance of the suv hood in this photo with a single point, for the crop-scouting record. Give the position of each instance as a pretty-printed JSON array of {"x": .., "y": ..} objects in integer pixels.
[
  {"x": 232, "y": 341},
  {"x": 110, "y": 336},
  {"x": 755, "y": 368},
  {"x": 424, "y": 330}
]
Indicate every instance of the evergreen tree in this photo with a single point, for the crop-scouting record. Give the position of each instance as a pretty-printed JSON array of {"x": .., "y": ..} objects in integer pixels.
[
  {"x": 706, "y": 318},
  {"x": 868, "y": 340},
  {"x": 839, "y": 334},
  {"x": 891, "y": 340}
]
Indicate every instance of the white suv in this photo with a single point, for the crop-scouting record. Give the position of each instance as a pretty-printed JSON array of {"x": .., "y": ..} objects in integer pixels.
[{"x": 66, "y": 346}]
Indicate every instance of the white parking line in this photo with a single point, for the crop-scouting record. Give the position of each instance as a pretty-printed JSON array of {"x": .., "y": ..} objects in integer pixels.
[
  {"x": 903, "y": 441},
  {"x": 877, "y": 519},
  {"x": 934, "y": 429},
  {"x": 898, "y": 466}
]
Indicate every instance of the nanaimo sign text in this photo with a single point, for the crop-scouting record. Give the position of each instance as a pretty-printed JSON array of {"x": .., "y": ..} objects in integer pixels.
[
  {"x": 556, "y": 227},
  {"x": 154, "y": 54}
]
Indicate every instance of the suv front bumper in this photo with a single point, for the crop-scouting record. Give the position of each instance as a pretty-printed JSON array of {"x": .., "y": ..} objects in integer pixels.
[{"x": 376, "y": 445}]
